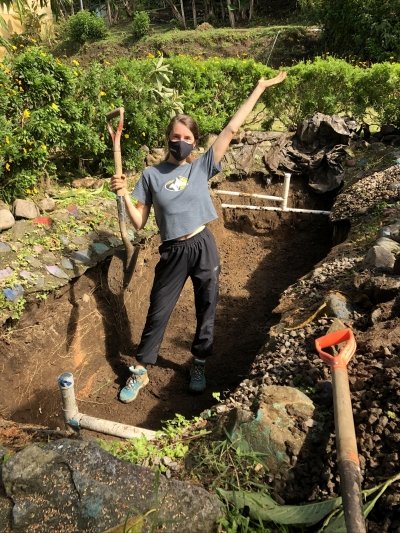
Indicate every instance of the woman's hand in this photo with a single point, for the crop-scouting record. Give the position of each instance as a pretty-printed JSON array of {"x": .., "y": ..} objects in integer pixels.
[
  {"x": 118, "y": 184},
  {"x": 263, "y": 83}
]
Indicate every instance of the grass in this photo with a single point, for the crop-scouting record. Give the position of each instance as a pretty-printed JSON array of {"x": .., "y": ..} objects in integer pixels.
[
  {"x": 250, "y": 42},
  {"x": 216, "y": 464}
]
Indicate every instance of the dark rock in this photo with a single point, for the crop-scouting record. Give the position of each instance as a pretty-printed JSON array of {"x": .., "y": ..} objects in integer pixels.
[
  {"x": 379, "y": 258},
  {"x": 379, "y": 288},
  {"x": 20, "y": 229},
  {"x": 324, "y": 130},
  {"x": 396, "y": 266},
  {"x": 339, "y": 306},
  {"x": 277, "y": 427},
  {"x": 72, "y": 486},
  {"x": 5, "y": 248}
]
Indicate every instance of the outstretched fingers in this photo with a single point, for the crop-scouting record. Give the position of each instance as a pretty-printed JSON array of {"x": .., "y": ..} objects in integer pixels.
[{"x": 273, "y": 81}]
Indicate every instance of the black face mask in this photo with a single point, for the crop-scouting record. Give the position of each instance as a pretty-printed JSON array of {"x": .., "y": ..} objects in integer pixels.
[{"x": 180, "y": 149}]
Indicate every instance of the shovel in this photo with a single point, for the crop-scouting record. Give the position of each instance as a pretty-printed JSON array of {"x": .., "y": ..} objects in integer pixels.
[
  {"x": 116, "y": 139},
  {"x": 348, "y": 462}
]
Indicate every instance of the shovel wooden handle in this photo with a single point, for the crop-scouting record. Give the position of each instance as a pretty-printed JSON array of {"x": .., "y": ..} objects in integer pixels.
[
  {"x": 116, "y": 139},
  {"x": 347, "y": 455}
]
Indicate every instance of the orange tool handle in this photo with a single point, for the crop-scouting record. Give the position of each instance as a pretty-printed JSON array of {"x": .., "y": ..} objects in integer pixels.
[{"x": 337, "y": 337}]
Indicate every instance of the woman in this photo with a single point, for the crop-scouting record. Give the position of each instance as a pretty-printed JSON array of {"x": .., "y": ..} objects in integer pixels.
[{"x": 178, "y": 191}]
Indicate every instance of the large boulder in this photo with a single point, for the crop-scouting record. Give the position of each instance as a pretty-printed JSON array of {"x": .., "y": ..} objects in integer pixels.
[
  {"x": 25, "y": 209},
  {"x": 279, "y": 429},
  {"x": 324, "y": 131},
  {"x": 70, "y": 486}
]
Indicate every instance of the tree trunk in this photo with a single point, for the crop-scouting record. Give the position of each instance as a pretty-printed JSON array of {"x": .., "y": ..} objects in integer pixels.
[
  {"x": 205, "y": 10},
  {"x": 230, "y": 13},
  {"x": 222, "y": 11},
  {"x": 81, "y": 5},
  {"x": 109, "y": 16},
  {"x": 176, "y": 13},
  {"x": 194, "y": 13},
  {"x": 251, "y": 10},
  {"x": 129, "y": 10},
  {"x": 183, "y": 15}
]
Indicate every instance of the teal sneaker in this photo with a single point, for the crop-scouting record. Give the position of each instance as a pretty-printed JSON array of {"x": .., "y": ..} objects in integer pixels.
[
  {"x": 137, "y": 381},
  {"x": 197, "y": 376}
]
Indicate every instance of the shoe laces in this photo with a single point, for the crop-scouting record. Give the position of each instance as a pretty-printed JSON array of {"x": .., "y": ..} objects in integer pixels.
[
  {"x": 134, "y": 378},
  {"x": 131, "y": 381}
]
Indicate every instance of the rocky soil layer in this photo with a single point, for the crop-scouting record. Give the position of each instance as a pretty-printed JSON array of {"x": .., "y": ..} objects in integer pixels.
[{"x": 371, "y": 308}]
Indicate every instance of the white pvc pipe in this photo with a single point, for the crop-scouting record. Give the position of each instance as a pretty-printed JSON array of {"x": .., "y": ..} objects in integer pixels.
[
  {"x": 76, "y": 420},
  {"x": 267, "y": 208},
  {"x": 312, "y": 211},
  {"x": 70, "y": 407},
  {"x": 286, "y": 186},
  {"x": 246, "y": 194},
  {"x": 113, "y": 428}
]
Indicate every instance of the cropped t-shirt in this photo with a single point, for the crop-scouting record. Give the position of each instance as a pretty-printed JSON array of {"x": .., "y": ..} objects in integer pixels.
[{"x": 179, "y": 194}]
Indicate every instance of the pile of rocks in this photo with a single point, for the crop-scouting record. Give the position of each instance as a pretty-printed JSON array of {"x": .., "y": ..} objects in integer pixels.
[
  {"x": 41, "y": 251},
  {"x": 356, "y": 285}
]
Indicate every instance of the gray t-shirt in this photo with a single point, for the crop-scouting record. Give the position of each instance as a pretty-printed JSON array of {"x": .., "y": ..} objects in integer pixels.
[{"x": 179, "y": 194}]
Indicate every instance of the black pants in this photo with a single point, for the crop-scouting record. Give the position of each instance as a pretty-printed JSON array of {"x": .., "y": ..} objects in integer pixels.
[{"x": 198, "y": 259}]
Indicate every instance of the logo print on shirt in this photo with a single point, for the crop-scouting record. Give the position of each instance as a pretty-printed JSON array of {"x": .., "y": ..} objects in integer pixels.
[{"x": 177, "y": 184}]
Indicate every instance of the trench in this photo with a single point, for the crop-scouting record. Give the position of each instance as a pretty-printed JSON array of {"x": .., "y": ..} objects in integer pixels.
[{"x": 87, "y": 329}]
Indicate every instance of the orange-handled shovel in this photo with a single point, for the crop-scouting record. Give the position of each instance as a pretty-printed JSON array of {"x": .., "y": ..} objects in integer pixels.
[
  {"x": 348, "y": 462},
  {"x": 116, "y": 139}
]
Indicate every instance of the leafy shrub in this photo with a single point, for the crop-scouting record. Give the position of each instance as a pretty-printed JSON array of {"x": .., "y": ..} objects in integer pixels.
[
  {"x": 52, "y": 115},
  {"x": 367, "y": 29},
  {"x": 86, "y": 26},
  {"x": 378, "y": 89},
  {"x": 213, "y": 89},
  {"x": 35, "y": 120},
  {"x": 140, "y": 24},
  {"x": 324, "y": 85}
]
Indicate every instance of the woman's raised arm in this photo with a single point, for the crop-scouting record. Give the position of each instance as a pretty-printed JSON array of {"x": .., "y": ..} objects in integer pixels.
[{"x": 223, "y": 140}]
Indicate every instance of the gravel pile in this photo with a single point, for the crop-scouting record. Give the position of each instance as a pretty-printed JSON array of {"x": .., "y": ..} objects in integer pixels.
[
  {"x": 366, "y": 193},
  {"x": 290, "y": 358}
]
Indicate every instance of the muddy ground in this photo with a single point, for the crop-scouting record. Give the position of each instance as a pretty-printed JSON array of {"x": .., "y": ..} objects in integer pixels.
[{"x": 92, "y": 329}]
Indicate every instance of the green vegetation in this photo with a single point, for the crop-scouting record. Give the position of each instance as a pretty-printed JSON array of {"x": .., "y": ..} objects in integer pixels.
[
  {"x": 254, "y": 42},
  {"x": 140, "y": 24},
  {"x": 365, "y": 29},
  {"x": 53, "y": 112},
  {"x": 171, "y": 443},
  {"x": 86, "y": 26},
  {"x": 237, "y": 475}
]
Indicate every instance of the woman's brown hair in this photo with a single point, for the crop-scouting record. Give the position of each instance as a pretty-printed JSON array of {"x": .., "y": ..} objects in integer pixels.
[{"x": 187, "y": 121}]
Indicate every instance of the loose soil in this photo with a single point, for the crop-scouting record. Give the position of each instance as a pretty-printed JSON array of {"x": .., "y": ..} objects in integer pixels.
[{"x": 91, "y": 329}]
